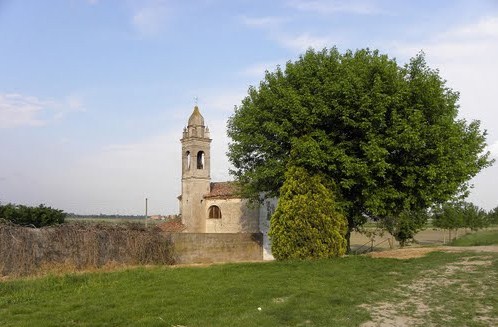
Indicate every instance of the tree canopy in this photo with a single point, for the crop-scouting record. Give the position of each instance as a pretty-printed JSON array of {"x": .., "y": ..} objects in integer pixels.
[{"x": 387, "y": 135}]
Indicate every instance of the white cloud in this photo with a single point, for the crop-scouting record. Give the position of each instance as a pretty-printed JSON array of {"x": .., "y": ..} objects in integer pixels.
[
  {"x": 150, "y": 19},
  {"x": 263, "y": 22},
  {"x": 485, "y": 28},
  {"x": 304, "y": 41},
  {"x": 17, "y": 110},
  {"x": 257, "y": 70},
  {"x": 360, "y": 7},
  {"x": 276, "y": 30}
]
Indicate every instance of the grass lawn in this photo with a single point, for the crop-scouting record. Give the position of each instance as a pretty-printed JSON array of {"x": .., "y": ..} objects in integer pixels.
[
  {"x": 319, "y": 293},
  {"x": 483, "y": 237}
]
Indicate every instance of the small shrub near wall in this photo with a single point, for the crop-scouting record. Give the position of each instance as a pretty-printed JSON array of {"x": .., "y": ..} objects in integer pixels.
[{"x": 31, "y": 216}]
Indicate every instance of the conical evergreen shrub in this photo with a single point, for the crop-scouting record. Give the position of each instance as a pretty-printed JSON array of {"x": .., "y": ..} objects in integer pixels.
[{"x": 306, "y": 223}]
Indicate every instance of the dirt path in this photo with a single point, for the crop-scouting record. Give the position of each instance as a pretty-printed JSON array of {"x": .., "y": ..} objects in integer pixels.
[
  {"x": 413, "y": 252},
  {"x": 433, "y": 298}
]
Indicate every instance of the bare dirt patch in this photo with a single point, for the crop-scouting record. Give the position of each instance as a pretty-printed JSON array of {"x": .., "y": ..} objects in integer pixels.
[
  {"x": 412, "y": 252},
  {"x": 406, "y": 253},
  {"x": 427, "y": 301}
]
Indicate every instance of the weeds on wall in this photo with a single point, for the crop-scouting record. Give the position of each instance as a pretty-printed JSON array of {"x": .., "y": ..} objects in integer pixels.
[{"x": 80, "y": 246}]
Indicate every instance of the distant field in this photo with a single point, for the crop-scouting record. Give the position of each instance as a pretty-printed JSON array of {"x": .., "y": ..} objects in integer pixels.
[
  {"x": 441, "y": 289},
  {"x": 428, "y": 236},
  {"x": 483, "y": 237}
]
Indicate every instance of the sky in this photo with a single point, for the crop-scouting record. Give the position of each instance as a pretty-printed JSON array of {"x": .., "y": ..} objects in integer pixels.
[{"x": 94, "y": 94}]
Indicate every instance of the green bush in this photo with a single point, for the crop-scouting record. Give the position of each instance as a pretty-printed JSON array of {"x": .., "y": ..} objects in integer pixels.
[
  {"x": 31, "y": 216},
  {"x": 404, "y": 226},
  {"x": 306, "y": 224}
]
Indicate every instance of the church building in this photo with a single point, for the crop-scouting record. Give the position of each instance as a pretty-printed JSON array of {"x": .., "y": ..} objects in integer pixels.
[{"x": 206, "y": 206}]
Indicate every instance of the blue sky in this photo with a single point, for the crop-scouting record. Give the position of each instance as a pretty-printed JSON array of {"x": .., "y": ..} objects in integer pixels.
[{"x": 94, "y": 93}]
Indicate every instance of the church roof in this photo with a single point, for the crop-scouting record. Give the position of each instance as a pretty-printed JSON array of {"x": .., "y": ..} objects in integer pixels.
[
  {"x": 172, "y": 226},
  {"x": 224, "y": 190},
  {"x": 196, "y": 118}
]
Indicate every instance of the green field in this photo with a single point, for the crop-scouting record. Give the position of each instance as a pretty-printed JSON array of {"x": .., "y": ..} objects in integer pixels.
[
  {"x": 339, "y": 292},
  {"x": 482, "y": 237}
]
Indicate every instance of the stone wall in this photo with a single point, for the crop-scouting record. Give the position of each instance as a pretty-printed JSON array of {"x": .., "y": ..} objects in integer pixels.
[
  {"x": 80, "y": 246},
  {"x": 217, "y": 247},
  {"x": 236, "y": 216}
]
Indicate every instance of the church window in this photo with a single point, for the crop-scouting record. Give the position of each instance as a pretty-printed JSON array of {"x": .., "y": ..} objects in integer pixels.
[
  {"x": 188, "y": 160},
  {"x": 214, "y": 212},
  {"x": 200, "y": 160}
]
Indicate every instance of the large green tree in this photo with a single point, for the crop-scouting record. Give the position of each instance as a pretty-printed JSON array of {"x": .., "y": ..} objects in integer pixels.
[
  {"x": 387, "y": 135},
  {"x": 307, "y": 223}
]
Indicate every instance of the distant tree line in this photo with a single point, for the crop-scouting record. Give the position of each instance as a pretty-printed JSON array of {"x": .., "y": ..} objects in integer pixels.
[
  {"x": 31, "y": 216},
  {"x": 451, "y": 216},
  {"x": 456, "y": 215},
  {"x": 103, "y": 216}
]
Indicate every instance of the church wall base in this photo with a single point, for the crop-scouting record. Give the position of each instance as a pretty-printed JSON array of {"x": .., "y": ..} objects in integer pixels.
[{"x": 217, "y": 247}]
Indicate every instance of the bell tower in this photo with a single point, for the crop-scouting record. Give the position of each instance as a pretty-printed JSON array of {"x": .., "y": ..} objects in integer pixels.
[{"x": 196, "y": 159}]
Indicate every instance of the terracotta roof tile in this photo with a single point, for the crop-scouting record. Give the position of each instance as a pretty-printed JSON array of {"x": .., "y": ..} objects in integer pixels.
[
  {"x": 172, "y": 226},
  {"x": 224, "y": 190}
]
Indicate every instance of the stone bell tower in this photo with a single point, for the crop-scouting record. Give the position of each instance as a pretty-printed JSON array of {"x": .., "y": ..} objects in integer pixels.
[{"x": 196, "y": 155}]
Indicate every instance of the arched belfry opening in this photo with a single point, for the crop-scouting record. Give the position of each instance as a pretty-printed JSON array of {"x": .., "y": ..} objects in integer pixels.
[
  {"x": 200, "y": 160},
  {"x": 187, "y": 155}
]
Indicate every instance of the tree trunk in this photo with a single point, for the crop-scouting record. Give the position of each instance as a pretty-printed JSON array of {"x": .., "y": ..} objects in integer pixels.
[{"x": 348, "y": 241}]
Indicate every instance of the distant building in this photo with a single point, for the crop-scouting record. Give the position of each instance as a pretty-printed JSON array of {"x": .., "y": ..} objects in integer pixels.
[{"x": 214, "y": 207}]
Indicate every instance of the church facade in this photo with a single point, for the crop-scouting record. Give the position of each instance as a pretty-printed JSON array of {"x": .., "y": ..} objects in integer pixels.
[{"x": 205, "y": 206}]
